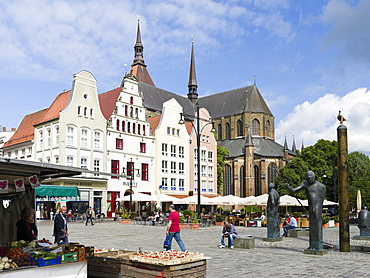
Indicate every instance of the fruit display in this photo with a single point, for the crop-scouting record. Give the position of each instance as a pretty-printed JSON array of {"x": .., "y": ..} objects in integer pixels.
[
  {"x": 44, "y": 241},
  {"x": 43, "y": 255},
  {"x": 3, "y": 251},
  {"x": 171, "y": 257},
  {"x": 16, "y": 252}
]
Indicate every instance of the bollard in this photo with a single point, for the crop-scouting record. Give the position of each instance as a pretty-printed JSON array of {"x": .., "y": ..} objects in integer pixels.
[{"x": 343, "y": 189}]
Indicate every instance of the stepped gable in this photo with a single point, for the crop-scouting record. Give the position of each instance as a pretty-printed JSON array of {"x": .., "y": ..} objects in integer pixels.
[
  {"x": 107, "y": 102},
  {"x": 25, "y": 131},
  {"x": 233, "y": 102}
]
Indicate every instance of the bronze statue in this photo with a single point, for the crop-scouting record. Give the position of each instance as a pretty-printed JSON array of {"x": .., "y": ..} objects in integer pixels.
[
  {"x": 273, "y": 222},
  {"x": 364, "y": 222},
  {"x": 315, "y": 192}
]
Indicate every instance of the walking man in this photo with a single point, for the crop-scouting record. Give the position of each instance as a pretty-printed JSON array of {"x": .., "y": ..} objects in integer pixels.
[
  {"x": 90, "y": 215},
  {"x": 60, "y": 226},
  {"x": 230, "y": 232},
  {"x": 173, "y": 228}
]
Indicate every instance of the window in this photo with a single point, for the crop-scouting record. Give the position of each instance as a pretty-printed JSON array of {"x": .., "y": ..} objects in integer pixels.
[
  {"x": 85, "y": 111},
  {"x": 268, "y": 128},
  {"x": 29, "y": 151},
  {"x": 84, "y": 165},
  {"x": 144, "y": 171},
  {"x": 173, "y": 131},
  {"x": 138, "y": 129},
  {"x": 227, "y": 131},
  {"x": 207, "y": 139},
  {"x": 164, "y": 166},
  {"x": 195, "y": 169},
  {"x": 56, "y": 135},
  {"x": 133, "y": 128},
  {"x": 48, "y": 132},
  {"x": 117, "y": 125},
  {"x": 181, "y": 185},
  {"x": 115, "y": 168},
  {"x": 41, "y": 140},
  {"x": 203, "y": 138},
  {"x": 219, "y": 132},
  {"x": 164, "y": 149},
  {"x": 210, "y": 156},
  {"x": 143, "y": 129},
  {"x": 126, "y": 110},
  {"x": 56, "y": 159},
  {"x": 142, "y": 147},
  {"x": 204, "y": 171},
  {"x": 173, "y": 167},
  {"x": 128, "y": 127},
  {"x": 91, "y": 112},
  {"x": 97, "y": 140},
  {"x": 168, "y": 130},
  {"x": 16, "y": 153},
  {"x": 96, "y": 167},
  {"x": 173, "y": 184},
  {"x": 79, "y": 110},
  {"x": 181, "y": 152},
  {"x": 123, "y": 126},
  {"x": 210, "y": 171},
  {"x": 70, "y": 161},
  {"x": 164, "y": 184},
  {"x": 23, "y": 152},
  {"x": 131, "y": 100},
  {"x": 137, "y": 113},
  {"x": 48, "y": 160},
  {"x": 210, "y": 186},
  {"x": 195, "y": 185},
  {"x": 271, "y": 173},
  {"x": 173, "y": 150},
  {"x": 181, "y": 168},
  {"x": 195, "y": 154},
  {"x": 115, "y": 110},
  {"x": 131, "y": 112},
  {"x": 239, "y": 128},
  {"x": 131, "y": 170},
  {"x": 204, "y": 155},
  {"x": 84, "y": 138},
  {"x": 119, "y": 144},
  {"x": 227, "y": 180},
  {"x": 204, "y": 186},
  {"x": 256, "y": 127},
  {"x": 70, "y": 133},
  {"x": 178, "y": 132}
]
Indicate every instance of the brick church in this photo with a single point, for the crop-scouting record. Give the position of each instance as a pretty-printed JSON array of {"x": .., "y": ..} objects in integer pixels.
[{"x": 245, "y": 127}]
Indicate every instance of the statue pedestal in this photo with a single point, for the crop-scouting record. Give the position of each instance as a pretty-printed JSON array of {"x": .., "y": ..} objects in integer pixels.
[
  {"x": 361, "y": 238},
  {"x": 273, "y": 239},
  {"x": 315, "y": 252}
]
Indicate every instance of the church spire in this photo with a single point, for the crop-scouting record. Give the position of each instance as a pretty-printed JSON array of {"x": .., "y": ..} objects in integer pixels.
[
  {"x": 139, "y": 48},
  {"x": 192, "y": 85},
  {"x": 302, "y": 146},
  {"x": 285, "y": 144},
  {"x": 294, "y": 148}
]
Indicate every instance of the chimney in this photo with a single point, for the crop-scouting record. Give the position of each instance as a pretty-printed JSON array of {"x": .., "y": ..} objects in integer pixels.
[
  {"x": 13, "y": 129},
  {"x": 4, "y": 128}
]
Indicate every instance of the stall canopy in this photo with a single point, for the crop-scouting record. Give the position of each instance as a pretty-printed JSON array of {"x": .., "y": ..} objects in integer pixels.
[{"x": 57, "y": 191}]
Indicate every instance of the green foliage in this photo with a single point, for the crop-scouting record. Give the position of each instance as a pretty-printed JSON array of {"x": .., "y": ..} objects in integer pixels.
[
  {"x": 297, "y": 214},
  {"x": 325, "y": 219},
  {"x": 227, "y": 212},
  {"x": 194, "y": 218},
  {"x": 222, "y": 153},
  {"x": 336, "y": 218},
  {"x": 250, "y": 209},
  {"x": 220, "y": 218},
  {"x": 220, "y": 210},
  {"x": 124, "y": 214},
  {"x": 187, "y": 212},
  {"x": 182, "y": 219}
]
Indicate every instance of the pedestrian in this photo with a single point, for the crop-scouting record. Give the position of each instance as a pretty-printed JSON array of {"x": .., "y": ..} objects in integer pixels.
[
  {"x": 228, "y": 231},
  {"x": 173, "y": 228},
  {"x": 60, "y": 226},
  {"x": 90, "y": 215},
  {"x": 291, "y": 225}
]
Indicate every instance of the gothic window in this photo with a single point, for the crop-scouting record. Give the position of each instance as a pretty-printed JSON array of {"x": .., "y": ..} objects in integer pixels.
[
  {"x": 239, "y": 128},
  {"x": 271, "y": 173},
  {"x": 256, "y": 127},
  {"x": 268, "y": 128},
  {"x": 257, "y": 191},
  {"x": 242, "y": 183},
  {"x": 219, "y": 132},
  {"x": 227, "y": 131},
  {"x": 227, "y": 180}
]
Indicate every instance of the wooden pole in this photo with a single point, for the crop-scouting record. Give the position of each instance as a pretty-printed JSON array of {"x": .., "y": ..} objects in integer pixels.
[{"x": 343, "y": 189}]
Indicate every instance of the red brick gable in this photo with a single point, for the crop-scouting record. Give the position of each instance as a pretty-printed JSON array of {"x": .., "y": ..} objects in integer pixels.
[
  {"x": 154, "y": 122},
  {"x": 107, "y": 102}
]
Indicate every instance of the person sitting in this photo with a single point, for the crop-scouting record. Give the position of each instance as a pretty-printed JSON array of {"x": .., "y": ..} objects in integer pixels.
[
  {"x": 262, "y": 217},
  {"x": 26, "y": 228},
  {"x": 230, "y": 232},
  {"x": 291, "y": 225}
]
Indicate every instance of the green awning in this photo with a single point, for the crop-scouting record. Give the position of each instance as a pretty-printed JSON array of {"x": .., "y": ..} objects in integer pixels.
[{"x": 56, "y": 191}]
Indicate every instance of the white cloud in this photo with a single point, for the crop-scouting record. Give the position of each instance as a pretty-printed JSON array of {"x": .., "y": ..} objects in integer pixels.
[{"x": 318, "y": 120}]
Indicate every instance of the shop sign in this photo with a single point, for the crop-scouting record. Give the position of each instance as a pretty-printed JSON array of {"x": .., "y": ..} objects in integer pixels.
[
  {"x": 34, "y": 181},
  {"x": 19, "y": 185},
  {"x": 4, "y": 186}
]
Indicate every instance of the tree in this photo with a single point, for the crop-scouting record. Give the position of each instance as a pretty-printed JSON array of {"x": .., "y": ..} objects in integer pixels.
[{"x": 222, "y": 153}]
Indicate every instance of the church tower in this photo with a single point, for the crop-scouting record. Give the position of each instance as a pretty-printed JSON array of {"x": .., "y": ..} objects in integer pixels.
[{"x": 192, "y": 85}]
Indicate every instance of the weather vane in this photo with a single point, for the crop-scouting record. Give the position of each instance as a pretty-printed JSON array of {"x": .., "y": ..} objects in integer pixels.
[{"x": 340, "y": 118}]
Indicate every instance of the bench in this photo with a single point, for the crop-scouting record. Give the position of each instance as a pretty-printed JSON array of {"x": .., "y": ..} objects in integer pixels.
[
  {"x": 244, "y": 241},
  {"x": 298, "y": 232}
]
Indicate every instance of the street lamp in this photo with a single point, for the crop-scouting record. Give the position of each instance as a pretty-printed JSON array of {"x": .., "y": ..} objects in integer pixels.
[
  {"x": 131, "y": 178},
  {"x": 198, "y": 133}
]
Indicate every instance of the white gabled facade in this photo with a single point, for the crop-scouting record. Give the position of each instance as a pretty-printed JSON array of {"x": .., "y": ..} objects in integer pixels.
[
  {"x": 172, "y": 151},
  {"x": 130, "y": 144}
]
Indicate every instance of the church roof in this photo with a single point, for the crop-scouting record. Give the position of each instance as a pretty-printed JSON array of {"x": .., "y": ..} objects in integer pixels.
[
  {"x": 262, "y": 147},
  {"x": 155, "y": 97},
  {"x": 154, "y": 122},
  {"x": 108, "y": 100},
  {"x": 233, "y": 102},
  {"x": 142, "y": 74}
]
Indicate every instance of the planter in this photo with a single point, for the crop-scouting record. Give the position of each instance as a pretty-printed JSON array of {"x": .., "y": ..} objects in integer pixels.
[
  {"x": 219, "y": 223},
  {"x": 182, "y": 226},
  {"x": 126, "y": 221},
  {"x": 193, "y": 226},
  {"x": 325, "y": 225},
  {"x": 336, "y": 224}
]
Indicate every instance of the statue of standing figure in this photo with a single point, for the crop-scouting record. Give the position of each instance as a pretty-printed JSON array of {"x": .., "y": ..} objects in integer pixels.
[
  {"x": 273, "y": 220},
  {"x": 315, "y": 192}
]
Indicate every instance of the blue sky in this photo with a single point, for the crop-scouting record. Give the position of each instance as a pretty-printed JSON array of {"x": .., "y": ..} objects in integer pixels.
[{"x": 310, "y": 58}]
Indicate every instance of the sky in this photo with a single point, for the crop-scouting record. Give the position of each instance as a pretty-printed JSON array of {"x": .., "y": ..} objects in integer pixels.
[{"x": 309, "y": 59}]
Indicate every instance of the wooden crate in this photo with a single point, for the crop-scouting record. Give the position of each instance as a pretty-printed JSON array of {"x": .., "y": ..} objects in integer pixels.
[{"x": 109, "y": 264}]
